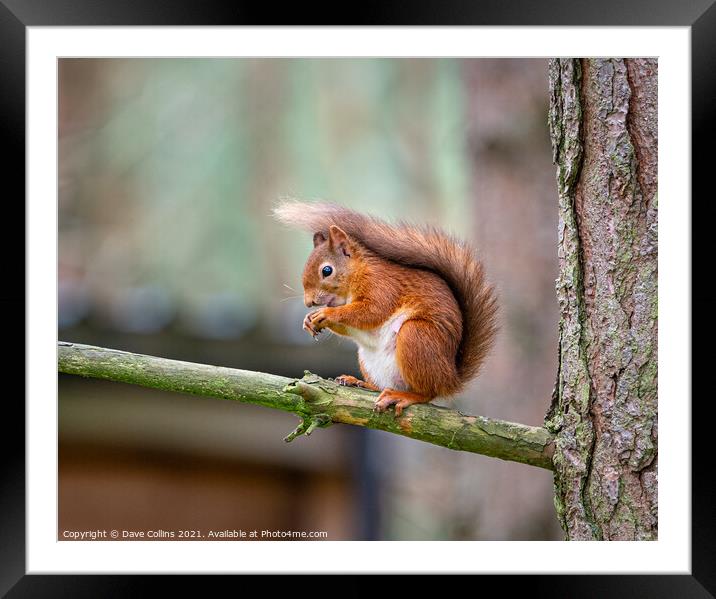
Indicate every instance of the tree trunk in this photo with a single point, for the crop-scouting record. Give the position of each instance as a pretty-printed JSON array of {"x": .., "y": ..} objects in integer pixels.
[{"x": 603, "y": 124}]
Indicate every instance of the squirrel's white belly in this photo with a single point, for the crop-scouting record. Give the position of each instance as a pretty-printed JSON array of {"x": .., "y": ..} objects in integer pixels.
[{"x": 376, "y": 350}]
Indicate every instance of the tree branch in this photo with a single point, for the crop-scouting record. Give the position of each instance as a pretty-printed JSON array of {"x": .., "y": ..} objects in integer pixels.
[{"x": 318, "y": 402}]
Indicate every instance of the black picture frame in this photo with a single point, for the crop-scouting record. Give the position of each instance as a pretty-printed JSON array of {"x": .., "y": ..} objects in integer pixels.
[{"x": 17, "y": 15}]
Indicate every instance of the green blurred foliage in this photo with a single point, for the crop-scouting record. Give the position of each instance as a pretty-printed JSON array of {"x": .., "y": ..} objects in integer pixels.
[{"x": 169, "y": 169}]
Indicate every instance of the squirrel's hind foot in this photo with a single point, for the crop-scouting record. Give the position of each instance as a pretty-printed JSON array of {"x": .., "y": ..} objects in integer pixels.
[
  {"x": 400, "y": 399},
  {"x": 350, "y": 381}
]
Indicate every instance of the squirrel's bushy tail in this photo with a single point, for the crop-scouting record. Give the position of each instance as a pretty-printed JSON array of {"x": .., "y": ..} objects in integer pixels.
[{"x": 422, "y": 247}]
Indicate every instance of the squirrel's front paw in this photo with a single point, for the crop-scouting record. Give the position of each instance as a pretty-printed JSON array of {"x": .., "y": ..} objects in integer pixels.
[
  {"x": 315, "y": 322},
  {"x": 308, "y": 326}
]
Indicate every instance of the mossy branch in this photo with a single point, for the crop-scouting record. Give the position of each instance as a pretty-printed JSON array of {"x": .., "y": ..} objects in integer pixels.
[{"x": 318, "y": 402}]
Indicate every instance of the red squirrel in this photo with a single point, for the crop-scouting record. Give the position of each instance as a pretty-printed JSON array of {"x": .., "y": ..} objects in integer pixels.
[{"x": 414, "y": 299}]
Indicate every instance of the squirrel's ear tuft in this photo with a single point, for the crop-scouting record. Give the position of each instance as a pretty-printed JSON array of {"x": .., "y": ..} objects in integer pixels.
[
  {"x": 318, "y": 239},
  {"x": 339, "y": 240}
]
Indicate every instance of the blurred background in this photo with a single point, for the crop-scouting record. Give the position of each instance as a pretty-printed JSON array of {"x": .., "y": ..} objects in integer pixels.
[{"x": 168, "y": 171}]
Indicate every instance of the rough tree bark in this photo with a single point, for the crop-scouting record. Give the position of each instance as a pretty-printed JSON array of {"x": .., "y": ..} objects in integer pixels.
[{"x": 603, "y": 124}]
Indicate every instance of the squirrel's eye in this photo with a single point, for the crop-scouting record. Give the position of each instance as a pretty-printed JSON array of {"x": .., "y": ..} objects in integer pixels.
[{"x": 326, "y": 271}]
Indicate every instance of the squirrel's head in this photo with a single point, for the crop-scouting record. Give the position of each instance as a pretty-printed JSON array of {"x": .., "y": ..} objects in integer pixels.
[{"x": 327, "y": 272}]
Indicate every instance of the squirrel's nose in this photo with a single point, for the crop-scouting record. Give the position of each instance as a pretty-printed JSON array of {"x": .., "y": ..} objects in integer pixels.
[{"x": 308, "y": 301}]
